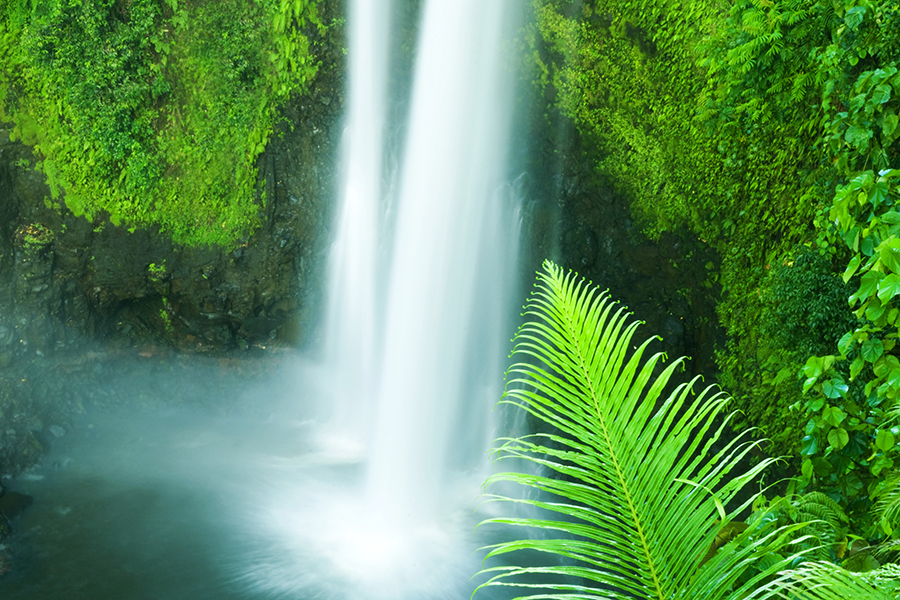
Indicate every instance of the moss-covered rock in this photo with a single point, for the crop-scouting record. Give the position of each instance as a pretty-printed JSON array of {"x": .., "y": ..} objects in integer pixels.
[{"x": 64, "y": 279}]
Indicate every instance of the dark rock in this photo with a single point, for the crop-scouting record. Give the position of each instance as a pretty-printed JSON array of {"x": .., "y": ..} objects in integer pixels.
[
  {"x": 13, "y": 503},
  {"x": 577, "y": 219},
  {"x": 5, "y": 531}
]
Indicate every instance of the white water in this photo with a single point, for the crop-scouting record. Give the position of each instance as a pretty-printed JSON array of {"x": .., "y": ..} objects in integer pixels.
[
  {"x": 448, "y": 215},
  {"x": 419, "y": 355},
  {"x": 351, "y": 327}
]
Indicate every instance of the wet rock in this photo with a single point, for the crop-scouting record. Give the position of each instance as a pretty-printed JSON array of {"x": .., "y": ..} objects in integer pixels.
[
  {"x": 13, "y": 503},
  {"x": 663, "y": 281},
  {"x": 5, "y": 531},
  {"x": 19, "y": 448}
]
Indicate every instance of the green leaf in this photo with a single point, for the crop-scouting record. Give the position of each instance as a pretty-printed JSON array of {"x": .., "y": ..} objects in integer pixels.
[
  {"x": 893, "y": 378},
  {"x": 806, "y": 468},
  {"x": 809, "y": 383},
  {"x": 871, "y": 350},
  {"x": 889, "y": 252},
  {"x": 882, "y": 94},
  {"x": 874, "y": 312},
  {"x": 884, "y": 440},
  {"x": 889, "y": 125},
  {"x": 884, "y": 365},
  {"x": 891, "y": 217},
  {"x": 880, "y": 464},
  {"x": 808, "y": 445},
  {"x": 850, "y": 271},
  {"x": 822, "y": 467},
  {"x": 856, "y": 366},
  {"x": 888, "y": 287},
  {"x": 833, "y": 415},
  {"x": 863, "y": 180},
  {"x": 878, "y": 193},
  {"x": 838, "y": 438},
  {"x": 834, "y": 388},
  {"x": 868, "y": 243},
  {"x": 858, "y": 137},
  {"x": 814, "y": 367},
  {"x": 846, "y": 343},
  {"x": 868, "y": 284}
]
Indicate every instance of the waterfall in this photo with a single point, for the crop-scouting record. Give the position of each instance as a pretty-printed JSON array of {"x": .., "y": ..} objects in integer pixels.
[
  {"x": 351, "y": 318},
  {"x": 449, "y": 259},
  {"x": 417, "y": 340}
]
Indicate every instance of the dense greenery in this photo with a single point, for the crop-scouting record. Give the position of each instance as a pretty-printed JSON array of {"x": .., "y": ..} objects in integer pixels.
[
  {"x": 769, "y": 128},
  {"x": 631, "y": 487},
  {"x": 154, "y": 111}
]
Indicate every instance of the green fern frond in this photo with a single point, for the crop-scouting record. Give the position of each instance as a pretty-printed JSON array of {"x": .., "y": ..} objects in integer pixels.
[
  {"x": 889, "y": 550},
  {"x": 629, "y": 481},
  {"x": 888, "y": 505},
  {"x": 618, "y": 450}
]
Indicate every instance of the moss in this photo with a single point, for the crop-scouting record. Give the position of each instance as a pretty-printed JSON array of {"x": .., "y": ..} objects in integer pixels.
[
  {"x": 153, "y": 112},
  {"x": 33, "y": 235}
]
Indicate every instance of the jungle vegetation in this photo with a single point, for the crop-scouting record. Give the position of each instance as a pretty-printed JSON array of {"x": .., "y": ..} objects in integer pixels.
[
  {"x": 632, "y": 482},
  {"x": 768, "y": 129},
  {"x": 153, "y": 112}
]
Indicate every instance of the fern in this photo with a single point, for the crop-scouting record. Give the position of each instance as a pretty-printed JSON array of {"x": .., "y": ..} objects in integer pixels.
[{"x": 630, "y": 487}]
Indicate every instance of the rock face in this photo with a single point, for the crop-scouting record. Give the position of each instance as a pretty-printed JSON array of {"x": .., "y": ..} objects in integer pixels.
[
  {"x": 63, "y": 280},
  {"x": 577, "y": 220},
  {"x": 67, "y": 284}
]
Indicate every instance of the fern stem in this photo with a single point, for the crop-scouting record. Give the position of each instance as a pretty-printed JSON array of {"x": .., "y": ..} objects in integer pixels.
[{"x": 615, "y": 459}]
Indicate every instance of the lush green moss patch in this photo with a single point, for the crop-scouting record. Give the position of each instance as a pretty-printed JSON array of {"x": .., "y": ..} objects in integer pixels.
[{"x": 154, "y": 111}]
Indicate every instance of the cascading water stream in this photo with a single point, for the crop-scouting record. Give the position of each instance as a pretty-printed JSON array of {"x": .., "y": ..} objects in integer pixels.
[
  {"x": 351, "y": 326},
  {"x": 443, "y": 282},
  {"x": 443, "y": 324},
  {"x": 258, "y": 498}
]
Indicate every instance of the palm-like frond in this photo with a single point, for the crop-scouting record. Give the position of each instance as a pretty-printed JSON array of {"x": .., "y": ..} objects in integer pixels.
[
  {"x": 632, "y": 481},
  {"x": 888, "y": 505},
  {"x": 823, "y": 581}
]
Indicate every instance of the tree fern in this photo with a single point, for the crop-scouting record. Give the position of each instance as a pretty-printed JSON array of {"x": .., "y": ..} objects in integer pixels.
[{"x": 631, "y": 487}]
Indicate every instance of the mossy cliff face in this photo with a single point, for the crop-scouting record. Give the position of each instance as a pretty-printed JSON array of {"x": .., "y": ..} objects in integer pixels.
[
  {"x": 578, "y": 219},
  {"x": 65, "y": 279},
  {"x": 67, "y": 283}
]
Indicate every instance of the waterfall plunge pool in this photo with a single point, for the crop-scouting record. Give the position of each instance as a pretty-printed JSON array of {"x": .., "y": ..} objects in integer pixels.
[{"x": 194, "y": 498}]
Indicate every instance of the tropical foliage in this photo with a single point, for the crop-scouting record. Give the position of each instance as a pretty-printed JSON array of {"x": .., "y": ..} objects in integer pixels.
[
  {"x": 154, "y": 111},
  {"x": 768, "y": 127},
  {"x": 632, "y": 481}
]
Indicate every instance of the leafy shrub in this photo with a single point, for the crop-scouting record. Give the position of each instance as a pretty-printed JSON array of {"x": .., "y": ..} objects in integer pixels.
[
  {"x": 154, "y": 111},
  {"x": 806, "y": 305}
]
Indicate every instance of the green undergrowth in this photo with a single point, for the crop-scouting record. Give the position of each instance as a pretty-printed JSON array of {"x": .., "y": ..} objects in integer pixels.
[
  {"x": 769, "y": 128},
  {"x": 681, "y": 128},
  {"x": 154, "y": 112}
]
